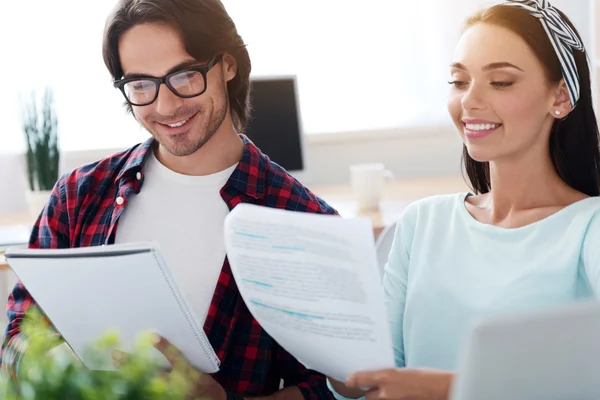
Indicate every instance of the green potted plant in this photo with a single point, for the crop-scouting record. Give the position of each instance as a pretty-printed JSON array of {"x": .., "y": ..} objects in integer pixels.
[
  {"x": 40, "y": 126},
  {"x": 62, "y": 376}
]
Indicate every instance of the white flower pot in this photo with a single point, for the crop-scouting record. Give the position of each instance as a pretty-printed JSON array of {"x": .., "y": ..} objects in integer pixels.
[{"x": 36, "y": 201}]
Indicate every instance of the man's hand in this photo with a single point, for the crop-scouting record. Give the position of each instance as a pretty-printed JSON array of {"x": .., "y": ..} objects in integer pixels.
[
  {"x": 201, "y": 385},
  {"x": 403, "y": 384}
]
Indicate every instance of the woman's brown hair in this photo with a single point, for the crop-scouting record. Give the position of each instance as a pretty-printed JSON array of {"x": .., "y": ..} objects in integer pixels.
[{"x": 574, "y": 143}]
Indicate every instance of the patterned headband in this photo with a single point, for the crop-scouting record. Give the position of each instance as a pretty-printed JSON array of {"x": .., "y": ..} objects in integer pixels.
[{"x": 563, "y": 39}]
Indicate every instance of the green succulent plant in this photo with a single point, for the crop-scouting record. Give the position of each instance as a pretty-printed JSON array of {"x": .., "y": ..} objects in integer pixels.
[
  {"x": 60, "y": 376},
  {"x": 42, "y": 139}
]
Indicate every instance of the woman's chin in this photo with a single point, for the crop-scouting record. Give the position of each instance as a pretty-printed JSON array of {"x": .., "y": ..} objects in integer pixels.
[{"x": 480, "y": 154}]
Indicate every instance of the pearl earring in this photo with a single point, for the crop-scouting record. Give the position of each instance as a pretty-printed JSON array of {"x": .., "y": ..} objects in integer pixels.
[{"x": 557, "y": 112}]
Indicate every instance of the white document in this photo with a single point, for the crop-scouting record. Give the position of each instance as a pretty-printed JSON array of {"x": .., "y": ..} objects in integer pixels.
[
  {"x": 313, "y": 284},
  {"x": 128, "y": 288}
]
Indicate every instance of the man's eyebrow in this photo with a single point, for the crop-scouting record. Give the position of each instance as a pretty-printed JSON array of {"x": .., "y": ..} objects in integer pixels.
[{"x": 181, "y": 65}]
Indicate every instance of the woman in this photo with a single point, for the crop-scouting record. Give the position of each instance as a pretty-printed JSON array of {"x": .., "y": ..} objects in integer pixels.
[{"x": 529, "y": 235}]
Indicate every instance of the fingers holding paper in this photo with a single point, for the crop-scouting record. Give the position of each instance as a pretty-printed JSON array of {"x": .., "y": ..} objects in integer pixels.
[
  {"x": 403, "y": 384},
  {"x": 201, "y": 385}
]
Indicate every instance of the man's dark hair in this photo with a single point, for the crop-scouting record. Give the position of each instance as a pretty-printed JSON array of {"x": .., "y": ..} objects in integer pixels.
[{"x": 206, "y": 30}]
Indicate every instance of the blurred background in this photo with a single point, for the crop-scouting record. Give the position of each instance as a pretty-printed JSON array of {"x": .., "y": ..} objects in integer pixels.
[
  {"x": 349, "y": 96},
  {"x": 371, "y": 81}
]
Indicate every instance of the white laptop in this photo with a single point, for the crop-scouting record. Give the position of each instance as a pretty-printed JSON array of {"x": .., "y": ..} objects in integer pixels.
[{"x": 548, "y": 355}]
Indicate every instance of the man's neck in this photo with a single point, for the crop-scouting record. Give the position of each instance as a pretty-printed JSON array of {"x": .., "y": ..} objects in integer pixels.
[{"x": 221, "y": 151}]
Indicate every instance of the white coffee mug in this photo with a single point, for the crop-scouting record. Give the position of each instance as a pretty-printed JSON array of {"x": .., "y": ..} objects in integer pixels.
[{"x": 367, "y": 182}]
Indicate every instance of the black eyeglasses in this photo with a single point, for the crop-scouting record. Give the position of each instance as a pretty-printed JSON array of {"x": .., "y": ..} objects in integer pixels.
[{"x": 185, "y": 83}]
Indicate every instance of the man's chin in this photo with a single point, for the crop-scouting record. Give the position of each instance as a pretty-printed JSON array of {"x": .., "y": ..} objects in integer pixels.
[
  {"x": 180, "y": 151},
  {"x": 179, "y": 145}
]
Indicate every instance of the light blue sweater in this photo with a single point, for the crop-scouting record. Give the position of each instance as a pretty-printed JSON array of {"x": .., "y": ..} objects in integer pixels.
[{"x": 446, "y": 269}]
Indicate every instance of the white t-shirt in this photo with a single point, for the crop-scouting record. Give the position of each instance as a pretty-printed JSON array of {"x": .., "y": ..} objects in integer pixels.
[{"x": 184, "y": 215}]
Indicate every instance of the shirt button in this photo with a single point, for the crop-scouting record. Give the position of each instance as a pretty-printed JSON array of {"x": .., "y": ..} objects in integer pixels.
[
  {"x": 138, "y": 176},
  {"x": 120, "y": 200}
]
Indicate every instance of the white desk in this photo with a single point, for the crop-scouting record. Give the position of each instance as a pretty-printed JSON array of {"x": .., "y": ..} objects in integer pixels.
[
  {"x": 397, "y": 195},
  {"x": 19, "y": 222}
]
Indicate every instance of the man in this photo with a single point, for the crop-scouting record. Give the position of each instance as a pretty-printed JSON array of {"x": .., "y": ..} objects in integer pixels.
[{"x": 184, "y": 72}]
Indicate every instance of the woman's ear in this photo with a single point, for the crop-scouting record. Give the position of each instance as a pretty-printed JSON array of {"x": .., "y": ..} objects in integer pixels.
[
  {"x": 229, "y": 67},
  {"x": 561, "y": 105}
]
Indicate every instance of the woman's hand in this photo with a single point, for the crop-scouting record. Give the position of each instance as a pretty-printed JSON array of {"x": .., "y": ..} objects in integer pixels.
[
  {"x": 403, "y": 384},
  {"x": 344, "y": 390}
]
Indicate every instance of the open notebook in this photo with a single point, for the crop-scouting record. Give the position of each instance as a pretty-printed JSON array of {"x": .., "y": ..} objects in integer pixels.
[{"x": 128, "y": 288}]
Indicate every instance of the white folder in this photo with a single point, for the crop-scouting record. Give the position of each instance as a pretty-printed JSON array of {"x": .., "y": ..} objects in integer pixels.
[{"x": 125, "y": 287}]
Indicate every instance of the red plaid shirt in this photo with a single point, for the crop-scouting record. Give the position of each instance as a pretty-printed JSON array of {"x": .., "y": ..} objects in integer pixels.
[{"x": 83, "y": 211}]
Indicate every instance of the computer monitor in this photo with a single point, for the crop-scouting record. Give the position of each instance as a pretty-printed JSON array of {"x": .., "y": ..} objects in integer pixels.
[{"x": 275, "y": 122}]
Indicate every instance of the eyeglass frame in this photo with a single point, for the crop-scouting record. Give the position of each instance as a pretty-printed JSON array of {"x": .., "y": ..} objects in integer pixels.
[{"x": 203, "y": 69}]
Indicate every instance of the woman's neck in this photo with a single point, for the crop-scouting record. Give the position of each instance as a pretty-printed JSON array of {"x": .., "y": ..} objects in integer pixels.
[{"x": 525, "y": 183}]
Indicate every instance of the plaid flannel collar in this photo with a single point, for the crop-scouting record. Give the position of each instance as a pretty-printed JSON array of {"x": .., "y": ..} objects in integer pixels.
[{"x": 248, "y": 178}]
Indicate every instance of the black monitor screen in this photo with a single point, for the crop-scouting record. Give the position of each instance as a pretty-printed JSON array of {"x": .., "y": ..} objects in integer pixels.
[{"x": 274, "y": 123}]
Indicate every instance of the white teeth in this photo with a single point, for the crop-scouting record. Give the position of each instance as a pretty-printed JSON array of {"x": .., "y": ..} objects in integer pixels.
[
  {"x": 177, "y": 125},
  {"x": 481, "y": 127}
]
